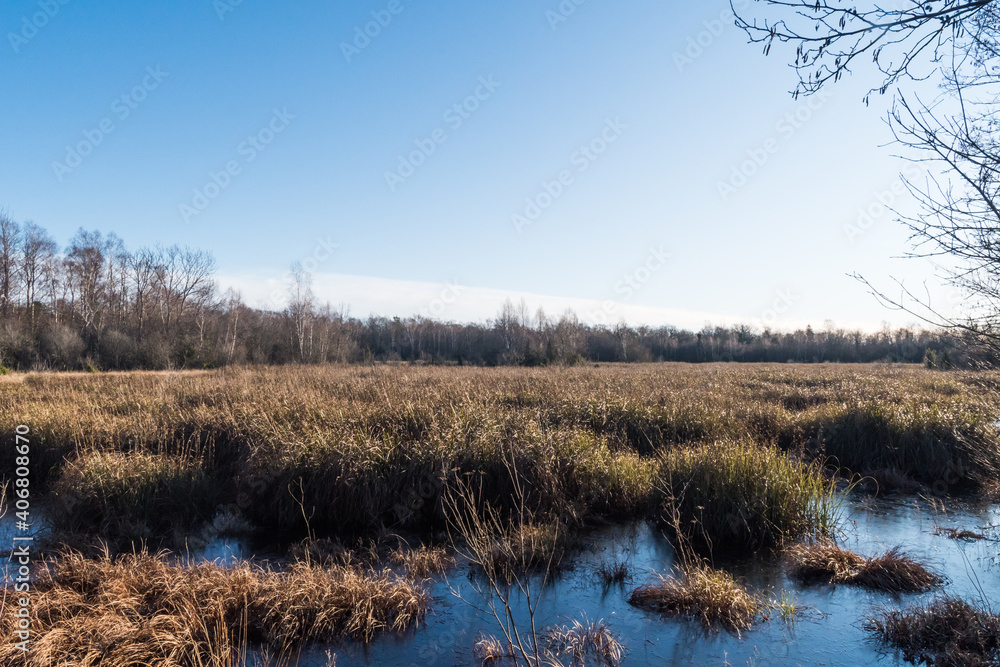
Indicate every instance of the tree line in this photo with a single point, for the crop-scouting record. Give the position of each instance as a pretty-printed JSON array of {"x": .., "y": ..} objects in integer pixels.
[{"x": 96, "y": 304}]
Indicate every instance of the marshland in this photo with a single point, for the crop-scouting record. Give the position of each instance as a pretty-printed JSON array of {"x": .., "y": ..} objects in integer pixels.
[{"x": 589, "y": 514}]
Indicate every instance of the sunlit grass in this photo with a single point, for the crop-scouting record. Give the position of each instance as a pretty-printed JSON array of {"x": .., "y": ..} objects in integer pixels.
[
  {"x": 370, "y": 447},
  {"x": 741, "y": 495}
]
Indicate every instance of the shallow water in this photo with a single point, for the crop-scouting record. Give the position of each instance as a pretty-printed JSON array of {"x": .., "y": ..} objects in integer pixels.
[{"x": 828, "y": 631}]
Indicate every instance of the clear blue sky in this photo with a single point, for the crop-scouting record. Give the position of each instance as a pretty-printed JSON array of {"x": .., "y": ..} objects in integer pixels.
[{"x": 672, "y": 133}]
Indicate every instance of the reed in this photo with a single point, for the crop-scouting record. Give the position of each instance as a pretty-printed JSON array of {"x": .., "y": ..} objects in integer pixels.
[
  {"x": 143, "y": 609},
  {"x": 698, "y": 591},
  {"x": 893, "y": 571},
  {"x": 948, "y": 631},
  {"x": 731, "y": 496}
]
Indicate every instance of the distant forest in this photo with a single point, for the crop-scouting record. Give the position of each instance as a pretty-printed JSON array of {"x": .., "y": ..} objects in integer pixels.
[{"x": 97, "y": 305}]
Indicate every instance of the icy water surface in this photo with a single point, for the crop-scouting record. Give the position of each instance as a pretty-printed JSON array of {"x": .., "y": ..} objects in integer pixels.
[{"x": 828, "y": 632}]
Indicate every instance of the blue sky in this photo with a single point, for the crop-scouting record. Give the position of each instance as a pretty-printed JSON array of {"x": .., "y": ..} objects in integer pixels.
[{"x": 268, "y": 133}]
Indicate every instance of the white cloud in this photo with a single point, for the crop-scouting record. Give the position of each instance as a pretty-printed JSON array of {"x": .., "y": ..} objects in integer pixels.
[{"x": 367, "y": 295}]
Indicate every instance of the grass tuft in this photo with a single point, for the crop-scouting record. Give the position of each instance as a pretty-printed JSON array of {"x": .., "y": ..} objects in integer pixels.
[
  {"x": 698, "y": 591},
  {"x": 491, "y": 651},
  {"x": 423, "y": 561},
  {"x": 132, "y": 498},
  {"x": 744, "y": 496},
  {"x": 614, "y": 571},
  {"x": 892, "y": 572},
  {"x": 579, "y": 640},
  {"x": 142, "y": 610},
  {"x": 946, "y": 632}
]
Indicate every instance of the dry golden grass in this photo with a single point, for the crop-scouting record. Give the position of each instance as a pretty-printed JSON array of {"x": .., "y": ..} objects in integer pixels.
[
  {"x": 580, "y": 640},
  {"x": 739, "y": 496},
  {"x": 142, "y": 610},
  {"x": 373, "y": 445},
  {"x": 948, "y": 632},
  {"x": 342, "y": 452},
  {"x": 366, "y": 447},
  {"x": 490, "y": 651},
  {"x": 893, "y": 571},
  {"x": 698, "y": 591},
  {"x": 423, "y": 561}
]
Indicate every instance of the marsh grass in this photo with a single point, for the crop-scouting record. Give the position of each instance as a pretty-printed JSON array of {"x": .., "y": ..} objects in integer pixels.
[
  {"x": 580, "y": 640},
  {"x": 614, "y": 571},
  {"x": 423, "y": 561},
  {"x": 491, "y": 651},
  {"x": 713, "y": 597},
  {"x": 368, "y": 447},
  {"x": 946, "y": 632},
  {"x": 142, "y": 610},
  {"x": 732, "y": 496},
  {"x": 893, "y": 571},
  {"x": 742, "y": 456},
  {"x": 132, "y": 498},
  {"x": 960, "y": 535}
]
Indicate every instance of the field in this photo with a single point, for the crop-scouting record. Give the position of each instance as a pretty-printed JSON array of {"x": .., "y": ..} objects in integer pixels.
[{"x": 372, "y": 479}]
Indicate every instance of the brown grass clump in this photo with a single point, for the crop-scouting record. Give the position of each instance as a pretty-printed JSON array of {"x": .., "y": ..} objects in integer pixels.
[
  {"x": 893, "y": 571},
  {"x": 131, "y": 498},
  {"x": 739, "y": 496},
  {"x": 614, "y": 571},
  {"x": 142, "y": 610},
  {"x": 823, "y": 562},
  {"x": 947, "y": 632},
  {"x": 491, "y": 651},
  {"x": 580, "y": 640},
  {"x": 423, "y": 561},
  {"x": 960, "y": 535},
  {"x": 712, "y": 596}
]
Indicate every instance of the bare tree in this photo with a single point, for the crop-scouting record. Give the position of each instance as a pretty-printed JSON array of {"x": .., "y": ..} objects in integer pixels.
[
  {"x": 300, "y": 307},
  {"x": 37, "y": 249},
  {"x": 140, "y": 269},
  {"x": 830, "y": 35},
  {"x": 234, "y": 304},
  {"x": 953, "y": 135},
  {"x": 182, "y": 277},
  {"x": 85, "y": 259},
  {"x": 10, "y": 240}
]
